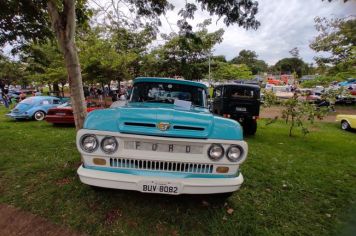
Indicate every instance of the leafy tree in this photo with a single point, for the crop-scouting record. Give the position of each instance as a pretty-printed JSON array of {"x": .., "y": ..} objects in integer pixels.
[
  {"x": 291, "y": 65},
  {"x": 11, "y": 72},
  {"x": 249, "y": 58},
  {"x": 337, "y": 37},
  {"x": 63, "y": 15},
  {"x": 184, "y": 54},
  {"x": 294, "y": 52},
  {"x": 43, "y": 63},
  {"x": 227, "y": 71},
  {"x": 106, "y": 59}
]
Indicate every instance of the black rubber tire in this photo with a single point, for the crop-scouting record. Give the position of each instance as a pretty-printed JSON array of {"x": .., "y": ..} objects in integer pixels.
[
  {"x": 250, "y": 127},
  {"x": 345, "y": 125}
]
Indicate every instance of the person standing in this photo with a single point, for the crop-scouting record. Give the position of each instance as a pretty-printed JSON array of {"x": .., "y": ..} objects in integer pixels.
[
  {"x": 100, "y": 95},
  {"x": 4, "y": 96}
]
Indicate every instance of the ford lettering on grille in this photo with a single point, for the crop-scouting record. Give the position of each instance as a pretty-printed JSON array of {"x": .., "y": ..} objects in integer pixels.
[{"x": 163, "y": 147}]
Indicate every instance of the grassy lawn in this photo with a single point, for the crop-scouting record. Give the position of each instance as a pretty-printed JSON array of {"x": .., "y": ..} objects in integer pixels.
[{"x": 293, "y": 186}]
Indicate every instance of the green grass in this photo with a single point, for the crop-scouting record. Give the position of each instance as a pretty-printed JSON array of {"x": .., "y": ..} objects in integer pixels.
[{"x": 293, "y": 186}]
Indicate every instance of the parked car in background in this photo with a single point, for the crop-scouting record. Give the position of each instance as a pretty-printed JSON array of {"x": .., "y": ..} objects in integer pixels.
[
  {"x": 34, "y": 107},
  {"x": 347, "y": 121},
  {"x": 309, "y": 95},
  {"x": 282, "y": 92},
  {"x": 307, "y": 78},
  {"x": 347, "y": 83},
  {"x": 272, "y": 80},
  {"x": 164, "y": 140},
  {"x": 240, "y": 102},
  {"x": 63, "y": 114}
]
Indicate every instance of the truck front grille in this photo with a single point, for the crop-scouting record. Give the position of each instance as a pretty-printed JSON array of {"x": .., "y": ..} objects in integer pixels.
[{"x": 182, "y": 167}]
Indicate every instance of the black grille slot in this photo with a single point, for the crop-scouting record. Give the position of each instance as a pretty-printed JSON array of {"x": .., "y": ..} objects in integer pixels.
[
  {"x": 161, "y": 166},
  {"x": 140, "y": 124},
  {"x": 188, "y": 128}
]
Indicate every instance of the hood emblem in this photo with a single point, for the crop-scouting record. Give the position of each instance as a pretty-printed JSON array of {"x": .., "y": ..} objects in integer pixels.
[{"x": 163, "y": 126}]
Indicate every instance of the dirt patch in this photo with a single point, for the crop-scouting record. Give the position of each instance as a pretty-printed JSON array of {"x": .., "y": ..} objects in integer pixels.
[
  {"x": 274, "y": 111},
  {"x": 17, "y": 222}
]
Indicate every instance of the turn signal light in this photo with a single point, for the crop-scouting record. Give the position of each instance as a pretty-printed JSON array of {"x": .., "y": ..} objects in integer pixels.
[
  {"x": 99, "y": 161},
  {"x": 222, "y": 169}
]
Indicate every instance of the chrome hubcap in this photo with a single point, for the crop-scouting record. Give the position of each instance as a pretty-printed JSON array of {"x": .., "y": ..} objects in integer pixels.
[
  {"x": 39, "y": 116},
  {"x": 344, "y": 125}
]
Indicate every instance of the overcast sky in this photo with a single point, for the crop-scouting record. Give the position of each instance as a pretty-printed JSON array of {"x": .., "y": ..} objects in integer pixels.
[{"x": 284, "y": 24}]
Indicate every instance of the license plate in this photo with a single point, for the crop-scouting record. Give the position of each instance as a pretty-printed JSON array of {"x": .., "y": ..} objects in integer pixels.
[
  {"x": 60, "y": 114},
  {"x": 160, "y": 187},
  {"x": 240, "y": 108}
]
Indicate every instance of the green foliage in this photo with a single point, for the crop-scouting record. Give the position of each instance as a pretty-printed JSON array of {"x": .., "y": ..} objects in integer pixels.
[
  {"x": 227, "y": 71},
  {"x": 43, "y": 63},
  {"x": 101, "y": 61},
  {"x": 321, "y": 80},
  {"x": 337, "y": 37},
  {"x": 291, "y": 65},
  {"x": 296, "y": 112},
  {"x": 326, "y": 80},
  {"x": 11, "y": 72},
  {"x": 184, "y": 54},
  {"x": 249, "y": 58},
  {"x": 24, "y": 21}
]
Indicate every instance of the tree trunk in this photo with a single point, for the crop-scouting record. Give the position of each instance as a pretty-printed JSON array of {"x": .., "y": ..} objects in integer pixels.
[
  {"x": 56, "y": 89},
  {"x": 49, "y": 88},
  {"x": 63, "y": 24}
]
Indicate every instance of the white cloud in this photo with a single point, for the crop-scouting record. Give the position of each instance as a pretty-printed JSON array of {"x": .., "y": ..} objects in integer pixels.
[{"x": 284, "y": 24}]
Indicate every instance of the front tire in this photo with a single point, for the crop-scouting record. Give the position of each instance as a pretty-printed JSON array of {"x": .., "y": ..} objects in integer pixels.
[
  {"x": 39, "y": 115},
  {"x": 345, "y": 125},
  {"x": 250, "y": 127}
]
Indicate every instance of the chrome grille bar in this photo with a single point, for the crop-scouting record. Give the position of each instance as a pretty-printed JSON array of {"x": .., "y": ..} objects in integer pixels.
[{"x": 183, "y": 167}]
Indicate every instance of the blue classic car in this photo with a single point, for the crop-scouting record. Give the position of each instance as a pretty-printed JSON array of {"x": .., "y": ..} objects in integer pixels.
[
  {"x": 163, "y": 140},
  {"x": 34, "y": 107}
]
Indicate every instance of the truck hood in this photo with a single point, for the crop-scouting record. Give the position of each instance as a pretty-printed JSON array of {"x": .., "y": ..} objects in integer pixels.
[
  {"x": 144, "y": 119},
  {"x": 141, "y": 118}
]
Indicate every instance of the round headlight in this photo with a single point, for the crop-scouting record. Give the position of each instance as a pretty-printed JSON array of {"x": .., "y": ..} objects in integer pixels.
[
  {"x": 89, "y": 143},
  {"x": 216, "y": 152},
  {"x": 234, "y": 153},
  {"x": 109, "y": 145}
]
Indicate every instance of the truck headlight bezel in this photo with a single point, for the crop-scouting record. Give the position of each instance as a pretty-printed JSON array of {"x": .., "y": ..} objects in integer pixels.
[
  {"x": 94, "y": 140},
  {"x": 114, "y": 142},
  {"x": 216, "y": 157},
  {"x": 235, "y": 153}
]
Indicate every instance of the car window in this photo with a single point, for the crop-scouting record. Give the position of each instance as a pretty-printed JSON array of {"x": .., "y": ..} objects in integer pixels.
[
  {"x": 164, "y": 92},
  {"x": 45, "y": 102},
  {"x": 241, "y": 92},
  {"x": 56, "y": 101},
  {"x": 217, "y": 93}
]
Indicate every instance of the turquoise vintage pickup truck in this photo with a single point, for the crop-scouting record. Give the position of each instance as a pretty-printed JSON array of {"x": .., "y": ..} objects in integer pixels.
[{"x": 163, "y": 140}]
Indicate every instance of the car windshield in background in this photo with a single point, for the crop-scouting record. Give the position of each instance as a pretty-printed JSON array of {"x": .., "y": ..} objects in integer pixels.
[
  {"x": 167, "y": 93},
  {"x": 67, "y": 104},
  {"x": 239, "y": 92}
]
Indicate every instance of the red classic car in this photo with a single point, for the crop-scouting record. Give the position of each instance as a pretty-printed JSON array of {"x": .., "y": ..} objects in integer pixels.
[{"x": 63, "y": 114}]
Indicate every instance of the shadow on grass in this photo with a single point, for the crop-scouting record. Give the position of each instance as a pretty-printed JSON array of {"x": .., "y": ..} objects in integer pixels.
[{"x": 183, "y": 199}]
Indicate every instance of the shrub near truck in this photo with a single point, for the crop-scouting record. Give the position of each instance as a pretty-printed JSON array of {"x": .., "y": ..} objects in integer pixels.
[{"x": 164, "y": 140}]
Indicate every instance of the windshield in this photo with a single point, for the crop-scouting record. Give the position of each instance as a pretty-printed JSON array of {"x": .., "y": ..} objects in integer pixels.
[
  {"x": 168, "y": 93},
  {"x": 66, "y": 104},
  {"x": 241, "y": 92}
]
